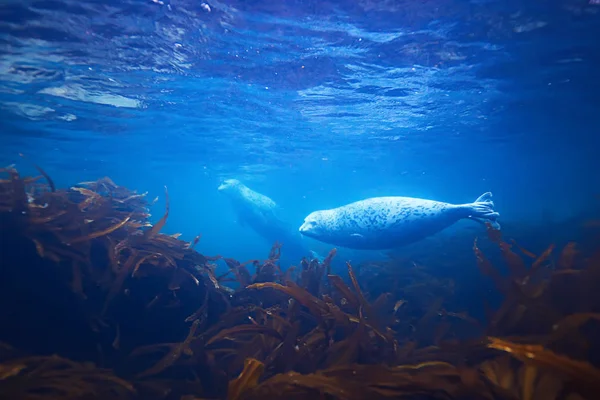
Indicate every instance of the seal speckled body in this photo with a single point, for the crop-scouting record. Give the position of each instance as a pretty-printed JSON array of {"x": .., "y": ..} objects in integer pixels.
[
  {"x": 260, "y": 213},
  {"x": 382, "y": 223}
]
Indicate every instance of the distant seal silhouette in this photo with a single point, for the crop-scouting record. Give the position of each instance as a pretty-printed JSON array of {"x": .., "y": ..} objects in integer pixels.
[
  {"x": 383, "y": 223},
  {"x": 260, "y": 213}
]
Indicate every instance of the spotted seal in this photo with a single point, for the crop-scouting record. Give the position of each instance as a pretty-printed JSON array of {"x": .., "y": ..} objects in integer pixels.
[
  {"x": 261, "y": 213},
  {"x": 382, "y": 223}
]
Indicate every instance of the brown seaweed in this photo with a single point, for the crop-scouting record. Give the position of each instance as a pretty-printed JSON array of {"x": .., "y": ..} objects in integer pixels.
[{"x": 54, "y": 377}]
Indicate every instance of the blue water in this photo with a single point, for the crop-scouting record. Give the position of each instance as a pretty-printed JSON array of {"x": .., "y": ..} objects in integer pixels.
[{"x": 312, "y": 103}]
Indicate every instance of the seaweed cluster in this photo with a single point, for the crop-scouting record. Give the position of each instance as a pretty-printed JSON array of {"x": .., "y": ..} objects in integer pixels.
[{"x": 96, "y": 302}]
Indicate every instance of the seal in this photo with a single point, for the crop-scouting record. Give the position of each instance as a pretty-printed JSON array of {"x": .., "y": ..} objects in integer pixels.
[
  {"x": 383, "y": 223},
  {"x": 260, "y": 213}
]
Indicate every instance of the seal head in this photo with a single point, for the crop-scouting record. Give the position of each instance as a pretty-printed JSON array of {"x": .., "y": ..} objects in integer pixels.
[
  {"x": 317, "y": 225},
  {"x": 229, "y": 184}
]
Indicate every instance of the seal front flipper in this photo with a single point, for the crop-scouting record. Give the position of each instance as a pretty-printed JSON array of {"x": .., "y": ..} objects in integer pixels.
[
  {"x": 271, "y": 216},
  {"x": 357, "y": 238},
  {"x": 276, "y": 212}
]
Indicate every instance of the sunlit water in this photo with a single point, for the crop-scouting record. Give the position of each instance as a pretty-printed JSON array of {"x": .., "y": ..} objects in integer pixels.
[{"x": 313, "y": 103}]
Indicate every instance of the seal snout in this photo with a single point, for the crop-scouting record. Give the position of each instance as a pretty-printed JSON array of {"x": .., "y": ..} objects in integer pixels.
[
  {"x": 303, "y": 228},
  {"x": 228, "y": 183},
  {"x": 307, "y": 228}
]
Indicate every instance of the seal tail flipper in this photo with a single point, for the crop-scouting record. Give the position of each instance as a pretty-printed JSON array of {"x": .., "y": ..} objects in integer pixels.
[{"x": 482, "y": 210}]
